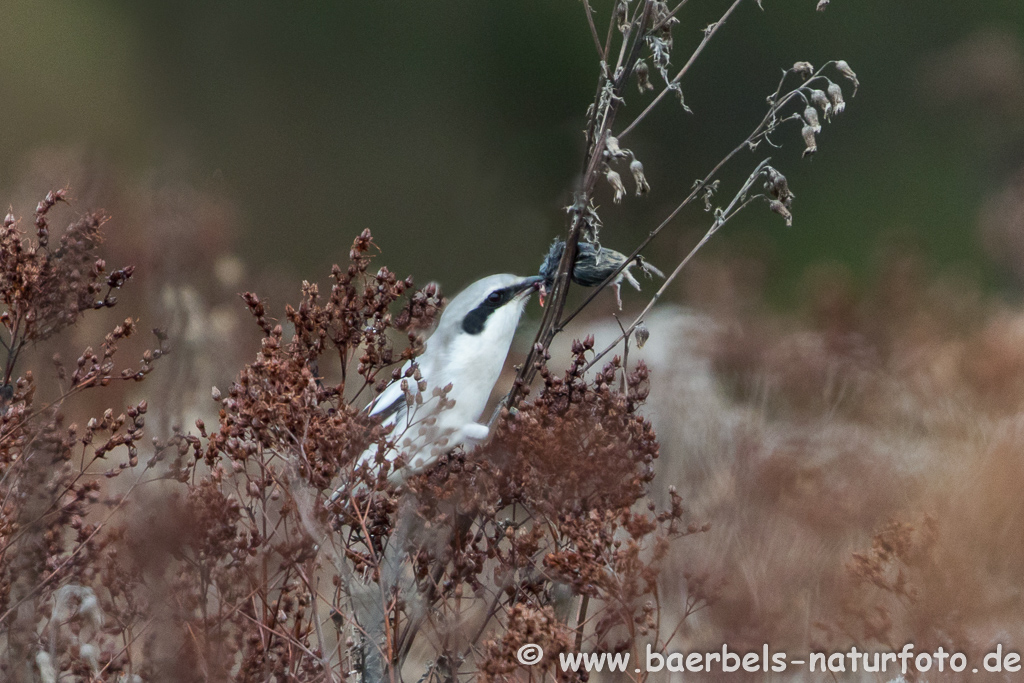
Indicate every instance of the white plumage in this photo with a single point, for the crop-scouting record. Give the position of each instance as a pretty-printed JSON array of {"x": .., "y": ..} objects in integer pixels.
[{"x": 467, "y": 351}]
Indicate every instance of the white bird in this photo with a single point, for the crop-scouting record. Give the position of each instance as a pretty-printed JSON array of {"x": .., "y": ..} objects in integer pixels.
[{"x": 466, "y": 352}]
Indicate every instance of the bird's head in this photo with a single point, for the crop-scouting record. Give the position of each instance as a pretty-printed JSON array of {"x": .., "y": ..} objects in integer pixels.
[{"x": 488, "y": 308}]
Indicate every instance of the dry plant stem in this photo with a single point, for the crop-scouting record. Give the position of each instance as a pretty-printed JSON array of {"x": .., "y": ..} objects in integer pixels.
[
  {"x": 319, "y": 631},
  {"x": 738, "y": 203},
  {"x": 593, "y": 28},
  {"x": 127, "y": 646},
  {"x": 56, "y": 571},
  {"x": 761, "y": 132},
  {"x": 608, "y": 41},
  {"x": 551, "y": 323},
  {"x": 697, "y": 189},
  {"x": 600, "y": 126},
  {"x": 625, "y": 355},
  {"x": 686, "y": 67},
  {"x": 671, "y": 14},
  {"x": 581, "y": 621}
]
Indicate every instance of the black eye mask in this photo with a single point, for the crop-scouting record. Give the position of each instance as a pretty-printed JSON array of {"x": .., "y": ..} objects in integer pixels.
[{"x": 475, "y": 320}]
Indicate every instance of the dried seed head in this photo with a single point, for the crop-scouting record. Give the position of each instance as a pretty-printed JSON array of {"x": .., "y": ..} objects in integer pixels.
[
  {"x": 781, "y": 209},
  {"x": 805, "y": 69},
  {"x": 811, "y": 117},
  {"x": 622, "y": 16},
  {"x": 643, "y": 76},
  {"x": 835, "y": 94},
  {"x": 820, "y": 99},
  {"x": 844, "y": 68},
  {"x": 778, "y": 186},
  {"x": 615, "y": 180},
  {"x": 611, "y": 146},
  {"x": 811, "y": 145},
  {"x": 637, "y": 169},
  {"x": 9, "y": 220},
  {"x": 642, "y": 334}
]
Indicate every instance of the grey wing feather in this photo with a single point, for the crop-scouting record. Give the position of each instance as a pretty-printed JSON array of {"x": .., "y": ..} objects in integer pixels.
[
  {"x": 390, "y": 405},
  {"x": 386, "y": 412}
]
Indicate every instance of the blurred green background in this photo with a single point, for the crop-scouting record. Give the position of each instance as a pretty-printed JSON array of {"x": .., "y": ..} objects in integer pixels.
[{"x": 453, "y": 130}]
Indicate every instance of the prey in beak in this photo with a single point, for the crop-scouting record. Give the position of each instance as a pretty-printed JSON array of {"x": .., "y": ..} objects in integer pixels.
[
  {"x": 529, "y": 285},
  {"x": 592, "y": 266}
]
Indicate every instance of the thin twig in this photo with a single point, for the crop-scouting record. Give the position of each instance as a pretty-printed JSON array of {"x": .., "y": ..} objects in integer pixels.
[
  {"x": 581, "y": 619},
  {"x": 608, "y": 38},
  {"x": 682, "y": 72},
  {"x": 597, "y": 136},
  {"x": 593, "y": 28},
  {"x": 723, "y": 218},
  {"x": 767, "y": 126},
  {"x": 668, "y": 16},
  {"x": 313, "y": 595}
]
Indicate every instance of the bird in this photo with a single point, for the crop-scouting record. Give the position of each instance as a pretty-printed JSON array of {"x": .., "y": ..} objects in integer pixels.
[
  {"x": 435, "y": 407},
  {"x": 593, "y": 265}
]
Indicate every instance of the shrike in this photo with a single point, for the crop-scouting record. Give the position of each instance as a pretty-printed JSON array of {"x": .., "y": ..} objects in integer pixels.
[{"x": 457, "y": 371}]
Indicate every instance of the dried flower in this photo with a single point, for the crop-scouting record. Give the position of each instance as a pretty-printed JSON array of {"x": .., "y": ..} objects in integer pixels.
[
  {"x": 811, "y": 117},
  {"x": 810, "y": 145},
  {"x": 637, "y": 169},
  {"x": 781, "y": 209},
  {"x": 615, "y": 180},
  {"x": 643, "y": 79},
  {"x": 641, "y": 334},
  {"x": 835, "y": 95},
  {"x": 805, "y": 69},
  {"x": 778, "y": 186},
  {"x": 821, "y": 100},
  {"x": 622, "y": 16},
  {"x": 844, "y": 68},
  {"x": 611, "y": 146}
]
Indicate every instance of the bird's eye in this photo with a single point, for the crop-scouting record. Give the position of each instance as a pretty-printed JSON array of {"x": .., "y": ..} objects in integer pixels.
[{"x": 494, "y": 297}]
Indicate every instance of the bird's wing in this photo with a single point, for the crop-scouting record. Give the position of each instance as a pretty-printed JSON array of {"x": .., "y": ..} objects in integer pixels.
[
  {"x": 391, "y": 405},
  {"x": 386, "y": 411},
  {"x": 391, "y": 408}
]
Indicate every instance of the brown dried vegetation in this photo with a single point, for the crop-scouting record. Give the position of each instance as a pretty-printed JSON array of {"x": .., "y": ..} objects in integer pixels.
[{"x": 225, "y": 557}]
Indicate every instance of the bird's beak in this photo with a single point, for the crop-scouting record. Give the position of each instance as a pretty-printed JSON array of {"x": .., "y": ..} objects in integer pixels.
[{"x": 528, "y": 285}]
